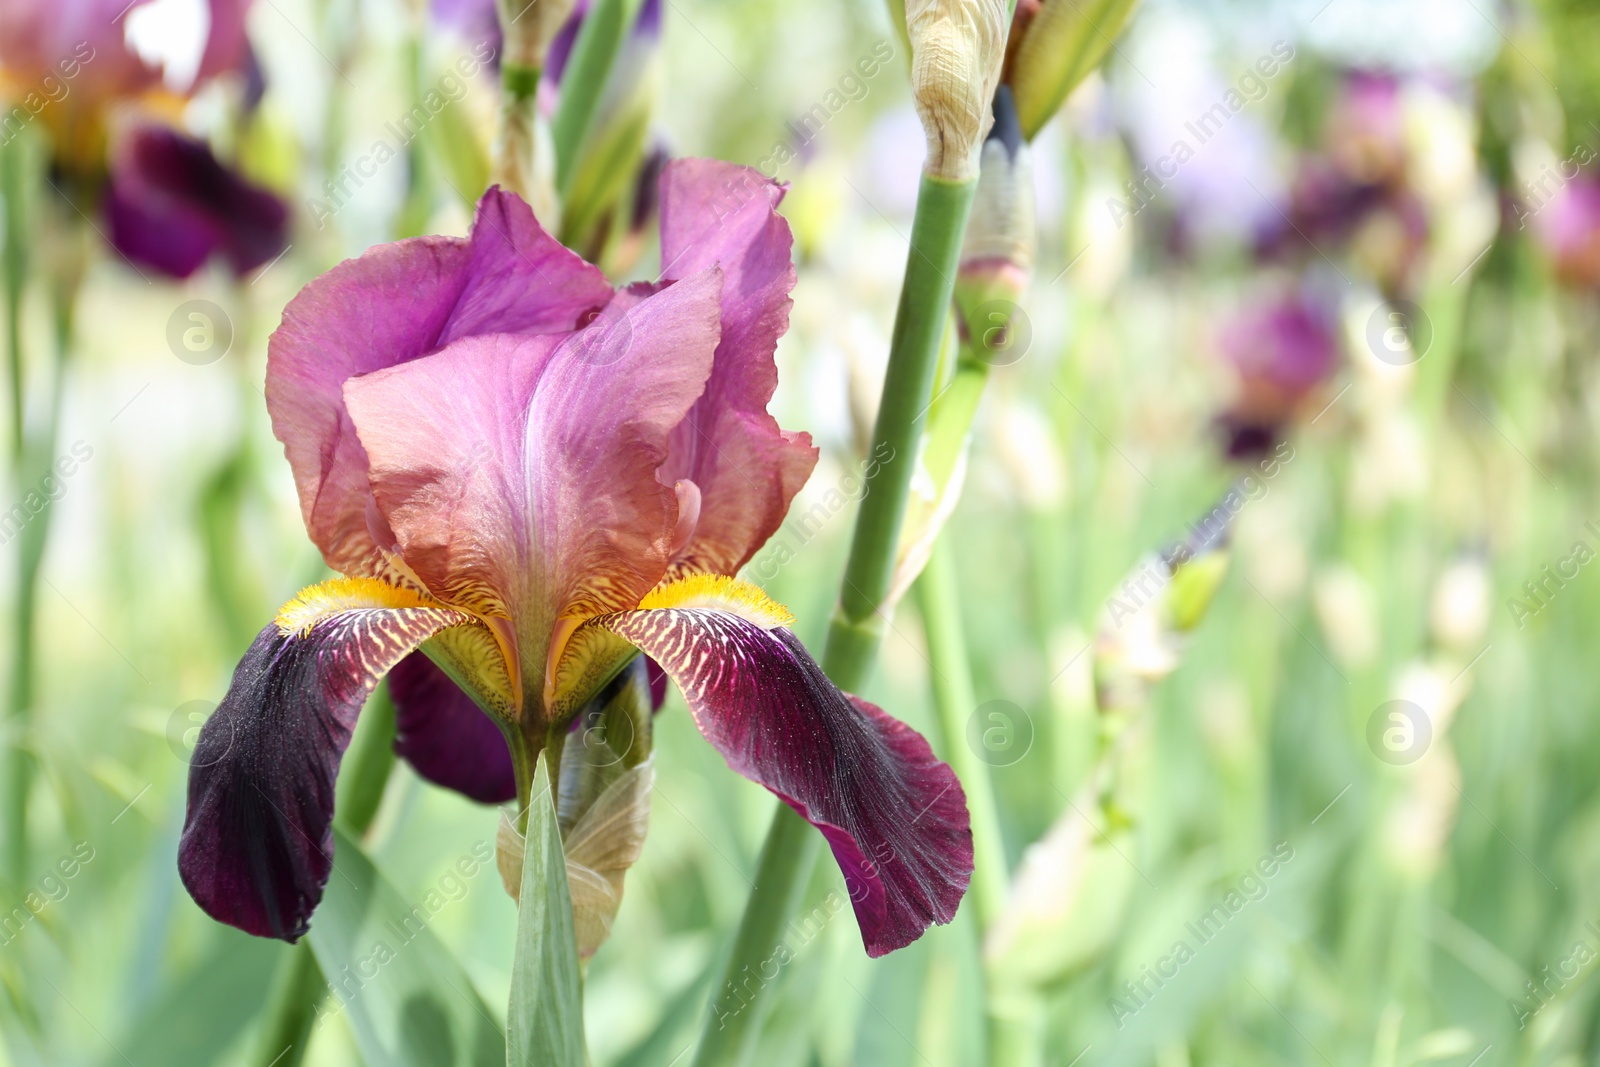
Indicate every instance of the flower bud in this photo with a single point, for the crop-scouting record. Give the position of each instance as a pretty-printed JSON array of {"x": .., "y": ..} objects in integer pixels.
[
  {"x": 1066, "y": 903},
  {"x": 1366, "y": 128},
  {"x": 1055, "y": 45},
  {"x": 1145, "y": 626},
  {"x": 956, "y": 50},
  {"x": 602, "y": 804},
  {"x": 1459, "y": 614},
  {"x": 1348, "y": 613},
  {"x": 998, "y": 248}
]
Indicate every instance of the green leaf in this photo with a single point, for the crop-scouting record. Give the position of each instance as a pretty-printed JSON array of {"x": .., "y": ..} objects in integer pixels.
[
  {"x": 545, "y": 1020},
  {"x": 1066, "y": 41},
  {"x": 407, "y": 999},
  {"x": 584, "y": 80},
  {"x": 197, "y": 1016}
]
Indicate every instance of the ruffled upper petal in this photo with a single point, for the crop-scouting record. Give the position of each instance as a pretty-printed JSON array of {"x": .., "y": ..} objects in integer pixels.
[
  {"x": 257, "y": 841},
  {"x": 748, "y": 469},
  {"x": 393, "y": 304},
  {"x": 518, "y": 475},
  {"x": 894, "y": 815}
]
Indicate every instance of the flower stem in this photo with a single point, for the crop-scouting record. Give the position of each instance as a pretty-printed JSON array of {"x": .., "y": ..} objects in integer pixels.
[
  {"x": 919, "y": 325},
  {"x": 33, "y": 464},
  {"x": 737, "y": 1010},
  {"x": 15, "y": 264},
  {"x": 789, "y": 854},
  {"x": 954, "y": 700}
]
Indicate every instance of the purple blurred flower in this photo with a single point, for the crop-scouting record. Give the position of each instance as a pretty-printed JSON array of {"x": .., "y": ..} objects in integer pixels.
[
  {"x": 1280, "y": 350},
  {"x": 1568, "y": 228},
  {"x": 1354, "y": 195},
  {"x": 171, "y": 205},
  {"x": 41, "y": 39}
]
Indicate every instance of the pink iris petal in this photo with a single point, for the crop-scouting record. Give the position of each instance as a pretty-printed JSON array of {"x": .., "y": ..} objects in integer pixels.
[
  {"x": 445, "y": 736},
  {"x": 895, "y": 817},
  {"x": 396, "y": 303},
  {"x": 518, "y": 474},
  {"x": 747, "y": 468},
  {"x": 257, "y": 842}
]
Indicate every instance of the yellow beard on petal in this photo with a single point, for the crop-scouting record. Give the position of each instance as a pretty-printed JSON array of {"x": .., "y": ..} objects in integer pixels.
[
  {"x": 316, "y": 602},
  {"x": 721, "y": 593}
]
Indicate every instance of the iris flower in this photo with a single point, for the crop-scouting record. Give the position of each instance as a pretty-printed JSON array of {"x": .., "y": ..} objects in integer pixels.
[{"x": 532, "y": 477}]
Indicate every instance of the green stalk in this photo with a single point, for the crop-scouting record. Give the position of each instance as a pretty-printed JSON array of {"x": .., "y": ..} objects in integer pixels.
[
  {"x": 919, "y": 323},
  {"x": 15, "y": 265},
  {"x": 789, "y": 854},
  {"x": 953, "y": 701},
  {"x": 299, "y": 989},
  {"x": 297, "y": 994},
  {"x": 34, "y": 461},
  {"x": 1010, "y": 1042},
  {"x": 737, "y": 1009}
]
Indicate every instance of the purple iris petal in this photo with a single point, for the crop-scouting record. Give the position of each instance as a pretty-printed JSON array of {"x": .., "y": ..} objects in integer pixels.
[
  {"x": 257, "y": 843},
  {"x": 1281, "y": 349},
  {"x": 171, "y": 205},
  {"x": 555, "y": 64},
  {"x": 895, "y": 817},
  {"x": 658, "y": 683},
  {"x": 1568, "y": 228},
  {"x": 1291, "y": 343},
  {"x": 445, "y": 736}
]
